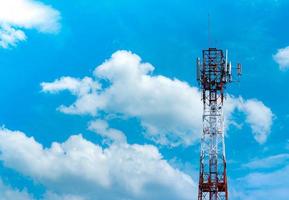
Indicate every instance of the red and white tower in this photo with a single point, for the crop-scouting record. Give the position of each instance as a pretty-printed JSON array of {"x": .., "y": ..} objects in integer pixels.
[{"x": 214, "y": 72}]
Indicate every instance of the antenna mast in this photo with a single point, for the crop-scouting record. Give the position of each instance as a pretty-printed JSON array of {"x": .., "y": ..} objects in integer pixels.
[
  {"x": 209, "y": 31},
  {"x": 214, "y": 72}
]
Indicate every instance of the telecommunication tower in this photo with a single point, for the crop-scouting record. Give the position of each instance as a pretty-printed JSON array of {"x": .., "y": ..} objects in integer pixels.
[{"x": 214, "y": 72}]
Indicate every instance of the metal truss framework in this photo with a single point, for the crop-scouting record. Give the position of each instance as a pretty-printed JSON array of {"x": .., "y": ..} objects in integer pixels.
[{"x": 213, "y": 74}]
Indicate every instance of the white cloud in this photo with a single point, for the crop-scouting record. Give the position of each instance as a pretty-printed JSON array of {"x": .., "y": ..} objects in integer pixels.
[
  {"x": 9, "y": 193},
  {"x": 282, "y": 58},
  {"x": 86, "y": 91},
  {"x": 164, "y": 105},
  {"x": 268, "y": 162},
  {"x": 17, "y": 15},
  {"x": 169, "y": 110},
  {"x": 271, "y": 179},
  {"x": 78, "y": 87},
  {"x": 82, "y": 170},
  {"x": 264, "y": 186},
  {"x": 101, "y": 127},
  {"x": 258, "y": 116},
  {"x": 52, "y": 196},
  {"x": 10, "y": 36},
  {"x": 29, "y": 14}
]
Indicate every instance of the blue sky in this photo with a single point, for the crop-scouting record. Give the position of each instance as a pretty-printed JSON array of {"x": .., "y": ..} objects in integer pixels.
[{"x": 98, "y": 97}]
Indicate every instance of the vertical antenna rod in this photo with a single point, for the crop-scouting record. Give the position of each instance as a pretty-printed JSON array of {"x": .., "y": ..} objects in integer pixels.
[{"x": 209, "y": 31}]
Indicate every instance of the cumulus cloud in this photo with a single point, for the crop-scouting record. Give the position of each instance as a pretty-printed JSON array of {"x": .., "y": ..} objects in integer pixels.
[
  {"x": 258, "y": 116},
  {"x": 282, "y": 58},
  {"x": 78, "y": 169},
  {"x": 86, "y": 91},
  {"x": 170, "y": 110},
  {"x": 8, "y": 193},
  {"x": 78, "y": 87},
  {"x": 17, "y": 15}
]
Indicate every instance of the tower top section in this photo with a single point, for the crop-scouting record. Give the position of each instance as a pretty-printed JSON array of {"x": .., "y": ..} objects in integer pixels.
[{"x": 214, "y": 72}]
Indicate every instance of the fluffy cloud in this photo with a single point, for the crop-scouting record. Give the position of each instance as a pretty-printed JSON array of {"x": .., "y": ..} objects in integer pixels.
[
  {"x": 86, "y": 91},
  {"x": 101, "y": 127},
  {"x": 8, "y": 193},
  {"x": 169, "y": 110},
  {"x": 79, "y": 87},
  {"x": 258, "y": 116},
  {"x": 282, "y": 58},
  {"x": 79, "y": 169},
  {"x": 16, "y": 15},
  {"x": 10, "y": 36}
]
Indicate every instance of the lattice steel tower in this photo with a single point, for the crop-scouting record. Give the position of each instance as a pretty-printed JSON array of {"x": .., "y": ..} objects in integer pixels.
[{"x": 213, "y": 74}]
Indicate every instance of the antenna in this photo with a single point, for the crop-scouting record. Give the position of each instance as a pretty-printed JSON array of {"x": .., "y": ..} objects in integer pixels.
[
  {"x": 239, "y": 69},
  {"x": 209, "y": 31},
  {"x": 214, "y": 73},
  {"x": 198, "y": 69},
  {"x": 226, "y": 62}
]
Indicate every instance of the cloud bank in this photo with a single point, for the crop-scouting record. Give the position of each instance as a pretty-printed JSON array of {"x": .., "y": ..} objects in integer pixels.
[
  {"x": 169, "y": 110},
  {"x": 18, "y": 15},
  {"x": 79, "y": 169}
]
